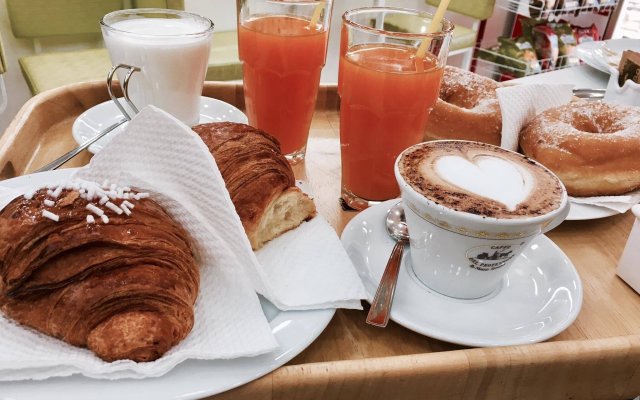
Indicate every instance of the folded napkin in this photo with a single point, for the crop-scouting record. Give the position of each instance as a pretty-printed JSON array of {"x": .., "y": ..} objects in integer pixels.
[
  {"x": 519, "y": 104},
  {"x": 620, "y": 204},
  {"x": 304, "y": 269},
  {"x": 7, "y": 195},
  {"x": 308, "y": 268}
]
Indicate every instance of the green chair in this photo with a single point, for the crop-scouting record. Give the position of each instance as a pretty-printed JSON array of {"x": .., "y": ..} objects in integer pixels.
[
  {"x": 78, "y": 20},
  {"x": 464, "y": 39}
]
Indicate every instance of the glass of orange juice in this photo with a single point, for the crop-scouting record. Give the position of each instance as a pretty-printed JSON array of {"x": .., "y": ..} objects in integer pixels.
[
  {"x": 283, "y": 47},
  {"x": 387, "y": 89}
]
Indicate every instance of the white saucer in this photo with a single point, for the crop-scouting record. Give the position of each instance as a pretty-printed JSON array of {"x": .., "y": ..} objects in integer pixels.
[
  {"x": 540, "y": 297},
  {"x": 605, "y": 55},
  {"x": 97, "y": 118}
]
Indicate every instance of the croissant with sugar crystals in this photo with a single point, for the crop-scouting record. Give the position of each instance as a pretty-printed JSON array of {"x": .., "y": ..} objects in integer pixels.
[{"x": 116, "y": 276}]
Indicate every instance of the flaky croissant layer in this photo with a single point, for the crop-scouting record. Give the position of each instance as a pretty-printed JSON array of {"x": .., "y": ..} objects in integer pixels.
[{"x": 123, "y": 285}]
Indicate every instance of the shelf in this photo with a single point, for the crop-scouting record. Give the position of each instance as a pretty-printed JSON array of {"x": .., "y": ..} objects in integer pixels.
[
  {"x": 523, "y": 7},
  {"x": 506, "y": 68}
]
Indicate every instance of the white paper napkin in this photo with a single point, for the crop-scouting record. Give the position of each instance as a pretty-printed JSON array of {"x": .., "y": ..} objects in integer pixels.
[
  {"x": 620, "y": 204},
  {"x": 308, "y": 268},
  {"x": 520, "y": 103}
]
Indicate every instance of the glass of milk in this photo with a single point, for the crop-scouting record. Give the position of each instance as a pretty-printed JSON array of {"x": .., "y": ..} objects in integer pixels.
[{"x": 171, "y": 49}]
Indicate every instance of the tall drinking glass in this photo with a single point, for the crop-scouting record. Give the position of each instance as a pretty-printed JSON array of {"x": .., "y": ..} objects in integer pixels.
[
  {"x": 283, "y": 46},
  {"x": 387, "y": 90}
]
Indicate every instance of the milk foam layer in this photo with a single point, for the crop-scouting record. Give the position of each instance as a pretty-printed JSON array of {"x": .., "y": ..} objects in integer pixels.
[
  {"x": 487, "y": 176},
  {"x": 481, "y": 179},
  {"x": 173, "y": 56},
  {"x": 159, "y": 29}
]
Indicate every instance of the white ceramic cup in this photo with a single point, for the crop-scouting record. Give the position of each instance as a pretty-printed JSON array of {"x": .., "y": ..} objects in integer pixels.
[
  {"x": 465, "y": 255},
  {"x": 171, "y": 49}
]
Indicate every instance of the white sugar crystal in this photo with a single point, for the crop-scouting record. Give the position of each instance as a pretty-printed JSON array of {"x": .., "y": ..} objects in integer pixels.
[
  {"x": 50, "y": 192},
  {"x": 50, "y": 215},
  {"x": 125, "y": 209},
  {"x": 82, "y": 191},
  {"x": 112, "y": 194},
  {"x": 113, "y": 207},
  {"x": 49, "y": 203},
  {"x": 105, "y": 219},
  {"x": 90, "y": 219},
  {"x": 120, "y": 193},
  {"x": 29, "y": 195},
  {"x": 125, "y": 196},
  {"x": 128, "y": 205},
  {"x": 143, "y": 195},
  {"x": 95, "y": 210},
  {"x": 91, "y": 193},
  {"x": 103, "y": 200},
  {"x": 126, "y": 189},
  {"x": 113, "y": 187},
  {"x": 57, "y": 192}
]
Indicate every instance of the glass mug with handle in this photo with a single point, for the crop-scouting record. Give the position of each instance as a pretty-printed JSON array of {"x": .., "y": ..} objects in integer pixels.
[
  {"x": 283, "y": 47},
  {"x": 167, "y": 51}
]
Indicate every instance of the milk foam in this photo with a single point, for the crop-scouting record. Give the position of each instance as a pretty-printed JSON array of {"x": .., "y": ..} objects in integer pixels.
[
  {"x": 172, "y": 58},
  {"x": 487, "y": 176}
]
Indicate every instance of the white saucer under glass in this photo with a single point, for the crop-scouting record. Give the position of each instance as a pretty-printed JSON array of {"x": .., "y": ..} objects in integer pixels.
[
  {"x": 540, "y": 296},
  {"x": 97, "y": 118}
]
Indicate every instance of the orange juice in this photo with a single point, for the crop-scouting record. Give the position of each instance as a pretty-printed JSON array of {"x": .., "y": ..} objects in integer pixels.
[
  {"x": 386, "y": 96},
  {"x": 282, "y": 59}
]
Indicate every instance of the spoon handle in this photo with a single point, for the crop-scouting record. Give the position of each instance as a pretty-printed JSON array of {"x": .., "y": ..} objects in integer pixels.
[{"x": 381, "y": 306}]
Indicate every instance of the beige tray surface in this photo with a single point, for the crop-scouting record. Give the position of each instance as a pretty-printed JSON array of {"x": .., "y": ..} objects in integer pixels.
[{"x": 598, "y": 357}]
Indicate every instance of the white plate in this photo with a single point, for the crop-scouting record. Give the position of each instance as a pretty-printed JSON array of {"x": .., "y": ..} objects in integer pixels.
[
  {"x": 192, "y": 379},
  {"x": 605, "y": 55},
  {"x": 99, "y": 117},
  {"x": 581, "y": 212},
  {"x": 540, "y": 297}
]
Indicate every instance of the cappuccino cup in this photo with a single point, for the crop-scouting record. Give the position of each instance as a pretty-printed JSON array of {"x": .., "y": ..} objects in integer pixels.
[{"x": 471, "y": 209}]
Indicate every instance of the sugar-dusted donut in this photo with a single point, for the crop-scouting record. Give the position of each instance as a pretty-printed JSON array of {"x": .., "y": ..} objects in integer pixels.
[
  {"x": 467, "y": 109},
  {"x": 593, "y": 147}
]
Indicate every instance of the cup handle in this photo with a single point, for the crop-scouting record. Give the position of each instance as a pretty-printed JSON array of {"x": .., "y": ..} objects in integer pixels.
[
  {"x": 558, "y": 219},
  {"x": 125, "y": 88}
]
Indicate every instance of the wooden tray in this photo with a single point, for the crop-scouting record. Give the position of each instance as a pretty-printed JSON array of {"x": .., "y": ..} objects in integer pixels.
[{"x": 598, "y": 357}]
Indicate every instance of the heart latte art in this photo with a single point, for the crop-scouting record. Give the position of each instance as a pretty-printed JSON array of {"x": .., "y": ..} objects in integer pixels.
[
  {"x": 487, "y": 176},
  {"x": 480, "y": 179}
]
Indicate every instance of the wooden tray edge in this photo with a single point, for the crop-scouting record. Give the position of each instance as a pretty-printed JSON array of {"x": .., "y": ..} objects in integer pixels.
[{"x": 526, "y": 372}]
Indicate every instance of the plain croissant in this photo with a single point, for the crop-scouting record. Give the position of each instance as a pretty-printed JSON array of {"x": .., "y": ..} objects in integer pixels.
[
  {"x": 125, "y": 289},
  {"x": 259, "y": 179}
]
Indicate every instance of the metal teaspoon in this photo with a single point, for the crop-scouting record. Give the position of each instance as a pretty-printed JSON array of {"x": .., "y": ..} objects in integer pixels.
[{"x": 381, "y": 305}]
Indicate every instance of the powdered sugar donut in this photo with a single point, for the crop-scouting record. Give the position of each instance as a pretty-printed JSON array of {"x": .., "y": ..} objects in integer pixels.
[
  {"x": 467, "y": 109},
  {"x": 593, "y": 147}
]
